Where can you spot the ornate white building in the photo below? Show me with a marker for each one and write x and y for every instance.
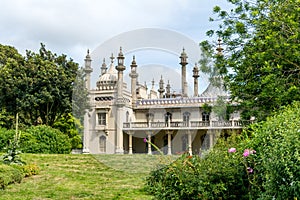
(120, 117)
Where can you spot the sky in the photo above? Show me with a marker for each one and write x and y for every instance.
(72, 26)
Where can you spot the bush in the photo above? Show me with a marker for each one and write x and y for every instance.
(5, 137)
(28, 169)
(9, 175)
(44, 139)
(219, 175)
(264, 164)
(278, 142)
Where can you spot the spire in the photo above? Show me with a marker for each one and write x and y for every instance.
(161, 89)
(183, 63)
(152, 84)
(87, 63)
(196, 76)
(219, 49)
(133, 75)
(196, 71)
(168, 88)
(183, 57)
(112, 58)
(103, 68)
(120, 66)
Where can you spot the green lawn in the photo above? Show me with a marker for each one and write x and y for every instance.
(85, 177)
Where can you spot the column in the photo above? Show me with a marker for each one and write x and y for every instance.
(190, 142)
(130, 133)
(169, 142)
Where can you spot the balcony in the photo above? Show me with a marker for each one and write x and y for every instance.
(179, 125)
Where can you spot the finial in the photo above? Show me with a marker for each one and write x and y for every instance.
(153, 84)
(88, 51)
(112, 58)
(219, 49)
(120, 53)
(103, 60)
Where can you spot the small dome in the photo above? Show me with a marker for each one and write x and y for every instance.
(108, 80)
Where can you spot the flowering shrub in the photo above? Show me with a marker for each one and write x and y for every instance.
(261, 163)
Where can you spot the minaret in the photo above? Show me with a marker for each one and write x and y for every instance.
(183, 63)
(196, 76)
(120, 103)
(161, 89)
(133, 75)
(88, 70)
(103, 68)
(219, 49)
(168, 89)
(86, 134)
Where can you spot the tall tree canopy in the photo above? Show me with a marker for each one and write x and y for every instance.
(38, 86)
(260, 62)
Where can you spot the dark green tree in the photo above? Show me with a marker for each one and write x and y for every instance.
(39, 86)
(260, 61)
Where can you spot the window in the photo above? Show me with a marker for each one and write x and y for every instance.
(184, 142)
(127, 116)
(149, 117)
(101, 118)
(205, 116)
(186, 118)
(102, 144)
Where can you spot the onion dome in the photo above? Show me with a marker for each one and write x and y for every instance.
(108, 80)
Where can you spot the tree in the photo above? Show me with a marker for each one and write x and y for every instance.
(38, 86)
(260, 63)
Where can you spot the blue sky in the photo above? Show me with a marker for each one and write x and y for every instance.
(73, 26)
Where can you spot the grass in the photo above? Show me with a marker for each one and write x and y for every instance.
(85, 177)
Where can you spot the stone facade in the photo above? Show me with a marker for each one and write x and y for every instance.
(119, 119)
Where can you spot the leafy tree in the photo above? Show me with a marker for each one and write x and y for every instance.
(38, 86)
(260, 62)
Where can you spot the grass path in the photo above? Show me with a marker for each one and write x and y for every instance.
(84, 177)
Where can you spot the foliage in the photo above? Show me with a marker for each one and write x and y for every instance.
(5, 137)
(261, 163)
(9, 175)
(12, 156)
(218, 175)
(278, 142)
(41, 89)
(28, 169)
(260, 62)
(70, 126)
(44, 139)
(80, 96)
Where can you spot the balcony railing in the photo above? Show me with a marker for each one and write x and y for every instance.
(182, 124)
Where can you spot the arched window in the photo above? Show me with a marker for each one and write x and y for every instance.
(102, 144)
(127, 116)
(205, 117)
(184, 142)
(186, 118)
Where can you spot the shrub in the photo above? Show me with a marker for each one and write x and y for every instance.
(28, 169)
(278, 142)
(44, 139)
(219, 175)
(5, 137)
(262, 163)
(8, 175)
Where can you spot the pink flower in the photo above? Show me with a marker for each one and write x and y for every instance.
(231, 150)
(145, 140)
(246, 152)
(250, 170)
